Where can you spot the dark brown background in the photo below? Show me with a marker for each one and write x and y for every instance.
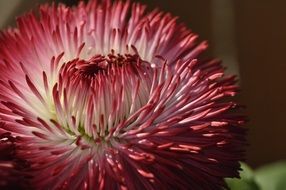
(260, 40)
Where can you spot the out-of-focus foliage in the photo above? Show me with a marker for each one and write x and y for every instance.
(246, 181)
(269, 177)
(272, 176)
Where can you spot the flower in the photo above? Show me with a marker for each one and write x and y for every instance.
(12, 175)
(107, 96)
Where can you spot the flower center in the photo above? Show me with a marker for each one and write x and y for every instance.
(96, 96)
(90, 69)
(99, 64)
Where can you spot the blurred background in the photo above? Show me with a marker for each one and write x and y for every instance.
(250, 38)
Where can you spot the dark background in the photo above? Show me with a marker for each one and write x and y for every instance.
(255, 31)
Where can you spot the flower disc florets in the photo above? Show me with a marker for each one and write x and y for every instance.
(107, 96)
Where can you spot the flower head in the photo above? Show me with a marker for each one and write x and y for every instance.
(12, 168)
(107, 96)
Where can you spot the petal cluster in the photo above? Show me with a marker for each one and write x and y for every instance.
(108, 96)
(12, 168)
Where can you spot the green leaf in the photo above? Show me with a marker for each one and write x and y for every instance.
(246, 182)
(247, 172)
(240, 184)
(272, 177)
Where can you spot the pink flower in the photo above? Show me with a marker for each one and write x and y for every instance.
(12, 169)
(107, 96)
